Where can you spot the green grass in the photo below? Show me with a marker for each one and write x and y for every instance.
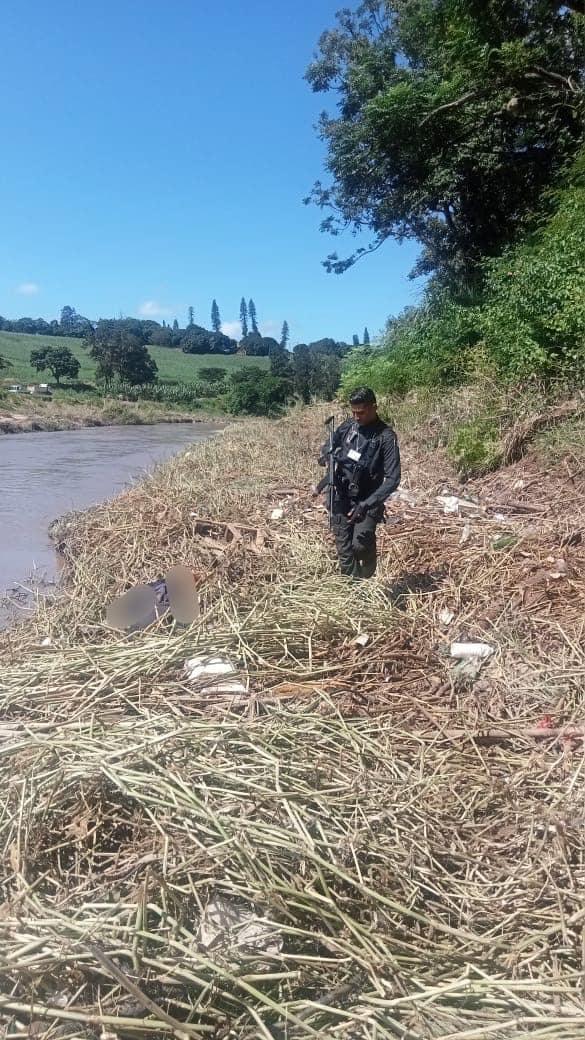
(173, 365)
(16, 347)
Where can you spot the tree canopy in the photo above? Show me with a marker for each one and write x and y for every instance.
(59, 361)
(453, 117)
(118, 350)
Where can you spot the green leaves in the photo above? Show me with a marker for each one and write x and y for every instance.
(59, 361)
(453, 117)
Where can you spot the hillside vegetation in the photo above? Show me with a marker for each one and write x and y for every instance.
(174, 366)
(465, 127)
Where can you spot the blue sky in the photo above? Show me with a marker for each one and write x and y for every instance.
(156, 153)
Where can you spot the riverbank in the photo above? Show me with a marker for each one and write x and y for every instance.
(405, 830)
(33, 415)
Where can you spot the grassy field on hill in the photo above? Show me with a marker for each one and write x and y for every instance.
(173, 365)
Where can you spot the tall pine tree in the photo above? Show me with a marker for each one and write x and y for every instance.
(215, 317)
(244, 317)
(366, 338)
(356, 340)
(284, 335)
(191, 314)
(175, 325)
(252, 316)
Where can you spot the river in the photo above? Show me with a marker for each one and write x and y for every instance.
(44, 475)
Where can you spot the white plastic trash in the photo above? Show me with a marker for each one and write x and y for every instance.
(224, 687)
(277, 514)
(233, 927)
(455, 505)
(466, 650)
(200, 667)
(362, 640)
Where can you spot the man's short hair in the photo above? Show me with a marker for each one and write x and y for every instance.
(363, 395)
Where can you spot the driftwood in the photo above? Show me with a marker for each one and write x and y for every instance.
(522, 432)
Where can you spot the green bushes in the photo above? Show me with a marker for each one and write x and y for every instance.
(533, 320)
(475, 447)
(255, 392)
(427, 346)
(529, 321)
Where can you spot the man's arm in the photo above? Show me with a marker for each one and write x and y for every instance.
(391, 456)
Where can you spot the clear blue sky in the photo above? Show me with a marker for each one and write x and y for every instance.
(155, 155)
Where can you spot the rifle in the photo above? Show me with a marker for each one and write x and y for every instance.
(329, 480)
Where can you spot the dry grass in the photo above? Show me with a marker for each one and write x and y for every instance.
(32, 414)
(394, 823)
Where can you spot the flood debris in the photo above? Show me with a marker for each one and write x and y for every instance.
(394, 833)
(452, 504)
(202, 667)
(464, 651)
(232, 927)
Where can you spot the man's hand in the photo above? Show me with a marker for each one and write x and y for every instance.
(358, 513)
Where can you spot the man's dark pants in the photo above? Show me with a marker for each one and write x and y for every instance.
(355, 543)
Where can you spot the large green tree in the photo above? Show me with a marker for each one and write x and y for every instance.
(284, 335)
(120, 352)
(452, 118)
(59, 361)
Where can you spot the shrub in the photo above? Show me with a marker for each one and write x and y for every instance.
(529, 321)
(253, 391)
(475, 447)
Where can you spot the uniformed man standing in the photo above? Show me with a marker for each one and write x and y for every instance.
(366, 471)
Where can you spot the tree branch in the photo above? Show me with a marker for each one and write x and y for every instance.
(450, 104)
(554, 78)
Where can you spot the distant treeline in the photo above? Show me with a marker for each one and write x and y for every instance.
(193, 339)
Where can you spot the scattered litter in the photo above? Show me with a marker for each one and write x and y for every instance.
(361, 640)
(199, 667)
(518, 484)
(446, 616)
(466, 650)
(232, 926)
(206, 667)
(468, 669)
(455, 505)
(224, 687)
(560, 569)
(465, 534)
(277, 514)
(47, 641)
(500, 518)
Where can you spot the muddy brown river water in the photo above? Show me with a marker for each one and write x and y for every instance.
(44, 475)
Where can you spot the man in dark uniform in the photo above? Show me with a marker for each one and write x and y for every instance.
(366, 471)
